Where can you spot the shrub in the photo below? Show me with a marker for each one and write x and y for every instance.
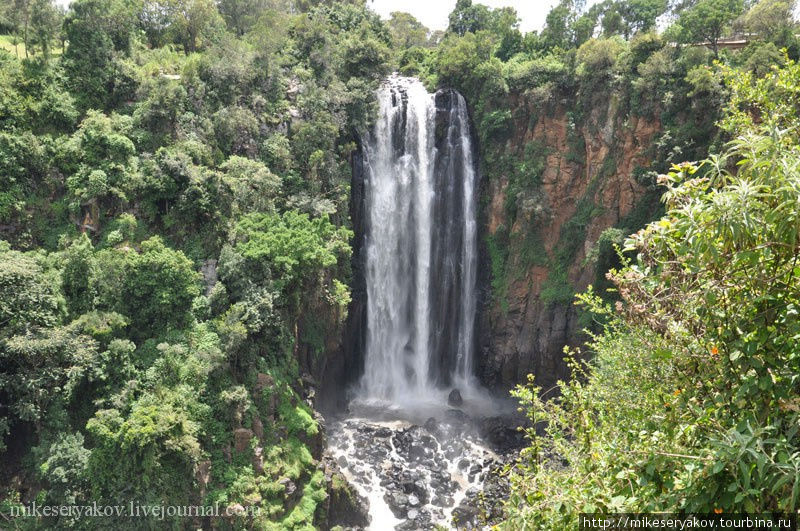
(596, 58)
(690, 402)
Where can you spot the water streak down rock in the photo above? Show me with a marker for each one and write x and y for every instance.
(420, 245)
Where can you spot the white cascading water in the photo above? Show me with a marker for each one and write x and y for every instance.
(463, 370)
(415, 455)
(398, 251)
(420, 268)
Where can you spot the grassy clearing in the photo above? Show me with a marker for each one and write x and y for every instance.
(7, 44)
(18, 50)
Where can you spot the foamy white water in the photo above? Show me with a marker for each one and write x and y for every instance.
(421, 245)
(413, 456)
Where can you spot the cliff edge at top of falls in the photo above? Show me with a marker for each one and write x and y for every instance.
(541, 221)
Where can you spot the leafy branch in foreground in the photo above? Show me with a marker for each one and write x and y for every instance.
(690, 402)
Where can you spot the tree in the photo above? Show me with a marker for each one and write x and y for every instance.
(242, 15)
(147, 445)
(293, 246)
(8, 17)
(23, 166)
(161, 103)
(255, 188)
(641, 15)
(41, 367)
(770, 20)
(504, 23)
(236, 130)
(363, 56)
(100, 161)
(584, 26)
(596, 58)
(158, 286)
(468, 64)
(628, 17)
(192, 20)
(468, 17)
(190, 23)
(29, 294)
(558, 27)
(16, 16)
(706, 21)
(77, 276)
(45, 23)
(148, 453)
(407, 31)
(65, 469)
(98, 31)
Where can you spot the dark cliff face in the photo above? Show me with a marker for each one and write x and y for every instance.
(344, 363)
(588, 184)
(447, 267)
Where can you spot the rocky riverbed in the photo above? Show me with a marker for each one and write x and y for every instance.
(439, 466)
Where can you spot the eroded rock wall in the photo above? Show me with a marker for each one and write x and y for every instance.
(587, 184)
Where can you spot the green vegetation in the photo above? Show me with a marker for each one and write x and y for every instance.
(170, 139)
(689, 403)
(175, 245)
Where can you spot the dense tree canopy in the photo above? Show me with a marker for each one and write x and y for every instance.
(172, 137)
(175, 242)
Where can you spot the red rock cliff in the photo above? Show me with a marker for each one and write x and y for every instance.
(588, 166)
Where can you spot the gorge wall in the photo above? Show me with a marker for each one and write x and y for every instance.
(541, 221)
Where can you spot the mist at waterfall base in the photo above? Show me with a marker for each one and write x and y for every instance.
(408, 443)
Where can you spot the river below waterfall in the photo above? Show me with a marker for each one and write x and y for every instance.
(422, 466)
(419, 436)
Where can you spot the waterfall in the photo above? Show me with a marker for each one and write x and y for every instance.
(420, 248)
(404, 444)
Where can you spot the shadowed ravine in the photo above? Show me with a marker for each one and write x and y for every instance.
(411, 441)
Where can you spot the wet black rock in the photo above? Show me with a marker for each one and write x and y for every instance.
(344, 506)
(415, 444)
(432, 425)
(483, 508)
(398, 503)
(442, 501)
(465, 516)
(420, 469)
(503, 433)
(417, 519)
(456, 416)
(417, 489)
(454, 398)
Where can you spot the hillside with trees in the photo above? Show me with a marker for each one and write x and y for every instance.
(176, 251)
